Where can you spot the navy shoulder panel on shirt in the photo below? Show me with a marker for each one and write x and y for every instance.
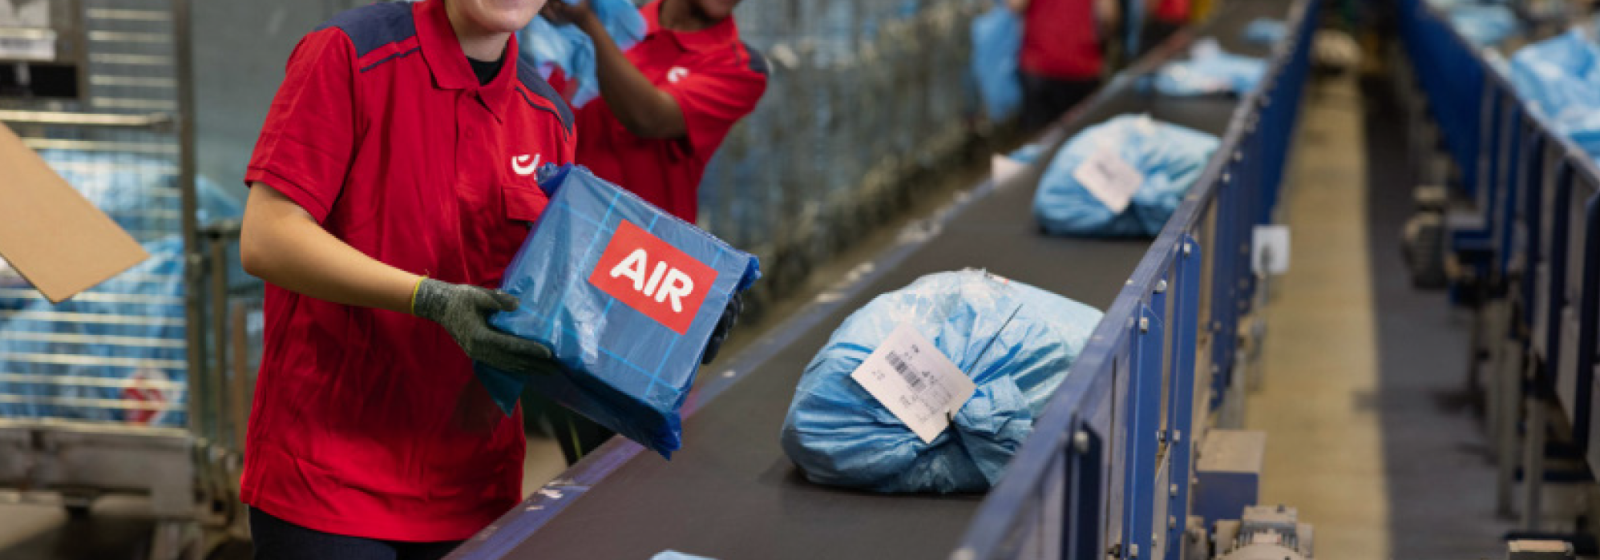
(528, 75)
(758, 62)
(370, 27)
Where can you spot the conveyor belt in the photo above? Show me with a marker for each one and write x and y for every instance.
(731, 493)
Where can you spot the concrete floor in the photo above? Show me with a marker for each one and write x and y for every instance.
(1369, 432)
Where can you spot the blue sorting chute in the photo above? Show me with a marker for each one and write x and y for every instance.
(626, 296)
(569, 48)
(1014, 341)
(996, 46)
(1169, 158)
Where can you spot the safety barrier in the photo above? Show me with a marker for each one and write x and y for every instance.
(1108, 469)
(1530, 243)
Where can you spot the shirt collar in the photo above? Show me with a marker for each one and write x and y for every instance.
(718, 35)
(448, 63)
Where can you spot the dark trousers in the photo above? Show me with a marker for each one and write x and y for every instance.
(1045, 99)
(276, 539)
(1155, 31)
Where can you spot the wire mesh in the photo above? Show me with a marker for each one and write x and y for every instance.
(118, 352)
(862, 95)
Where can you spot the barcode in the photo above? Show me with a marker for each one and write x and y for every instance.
(900, 365)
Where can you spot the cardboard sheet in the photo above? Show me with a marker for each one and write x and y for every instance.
(52, 235)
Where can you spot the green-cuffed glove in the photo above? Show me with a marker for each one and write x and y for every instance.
(464, 311)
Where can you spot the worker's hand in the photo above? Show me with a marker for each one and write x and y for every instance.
(464, 311)
(730, 317)
(560, 12)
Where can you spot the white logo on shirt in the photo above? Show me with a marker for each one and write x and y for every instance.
(677, 73)
(525, 164)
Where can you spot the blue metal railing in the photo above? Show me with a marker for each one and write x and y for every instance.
(1106, 483)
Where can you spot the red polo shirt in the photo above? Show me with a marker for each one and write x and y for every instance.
(1059, 40)
(1173, 11)
(370, 423)
(716, 81)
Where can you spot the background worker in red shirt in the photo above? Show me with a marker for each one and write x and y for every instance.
(392, 183)
(665, 106)
(1166, 17)
(1063, 54)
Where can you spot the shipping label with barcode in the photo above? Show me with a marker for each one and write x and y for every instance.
(915, 381)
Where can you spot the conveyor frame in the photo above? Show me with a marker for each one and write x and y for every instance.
(1137, 397)
(1539, 223)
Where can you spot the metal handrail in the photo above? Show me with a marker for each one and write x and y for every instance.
(149, 120)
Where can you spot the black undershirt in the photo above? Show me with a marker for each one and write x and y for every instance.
(486, 71)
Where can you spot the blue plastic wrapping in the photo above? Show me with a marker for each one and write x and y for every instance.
(1560, 78)
(1484, 24)
(1265, 31)
(996, 45)
(1210, 71)
(572, 50)
(1015, 341)
(1169, 156)
(594, 278)
(119, 342)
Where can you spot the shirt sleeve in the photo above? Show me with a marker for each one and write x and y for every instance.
(712, 100)
(309, 136)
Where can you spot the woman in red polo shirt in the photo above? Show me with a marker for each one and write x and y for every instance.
(665, 106)
(1062, 54)
(390, 187)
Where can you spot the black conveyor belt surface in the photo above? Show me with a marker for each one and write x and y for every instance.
(731, 493)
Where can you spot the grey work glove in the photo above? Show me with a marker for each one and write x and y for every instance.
(730, 317)
(464, 311)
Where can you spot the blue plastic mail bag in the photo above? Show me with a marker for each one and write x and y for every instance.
(626, 297)
(1159, 162)
(1210, 71)
(996, 46)
(152, 372)
(569, 48)
(1560, 78)
(1014, 341)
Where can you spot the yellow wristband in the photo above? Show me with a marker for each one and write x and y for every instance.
(414, 290)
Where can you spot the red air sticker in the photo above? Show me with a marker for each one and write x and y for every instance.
(652, 277)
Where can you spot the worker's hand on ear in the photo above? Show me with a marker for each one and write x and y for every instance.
(559, 12)
(730, 317)
(464, 311)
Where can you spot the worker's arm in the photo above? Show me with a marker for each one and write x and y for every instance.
(1018, 6)
(641, 107)
(1109, 14)
(281, 243)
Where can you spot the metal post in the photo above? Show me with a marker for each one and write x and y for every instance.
(1508, 401)
(194, 261)
(1533, 461)
(1181, 418)
(1144, 418)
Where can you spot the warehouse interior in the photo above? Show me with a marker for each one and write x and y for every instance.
(1281, 279)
